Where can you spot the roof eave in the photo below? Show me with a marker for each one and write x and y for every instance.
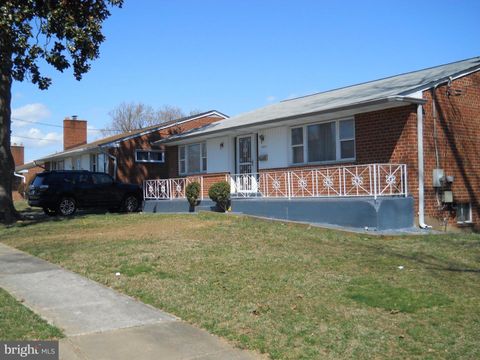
(386, 100)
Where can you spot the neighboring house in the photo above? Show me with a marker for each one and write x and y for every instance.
(18, 153)
(411, 136)
(129, 157)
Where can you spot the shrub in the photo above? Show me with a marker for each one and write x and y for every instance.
(192, 192)
(220, 193)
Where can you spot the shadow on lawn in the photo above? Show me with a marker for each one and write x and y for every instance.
(429, 261)
(31, 216)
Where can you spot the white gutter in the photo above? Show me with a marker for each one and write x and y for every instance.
(20, 176)
(421, 178)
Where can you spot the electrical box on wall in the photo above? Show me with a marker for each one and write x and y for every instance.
(447, 197)
(438, 177)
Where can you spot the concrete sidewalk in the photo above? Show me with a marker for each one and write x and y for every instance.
(99, 322)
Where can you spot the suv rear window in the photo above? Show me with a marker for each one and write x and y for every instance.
(39, 180)
(52, 178)
(56, 178)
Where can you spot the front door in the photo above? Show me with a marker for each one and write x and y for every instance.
(246, 159)
(246, 179)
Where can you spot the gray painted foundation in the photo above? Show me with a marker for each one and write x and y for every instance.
(176, 206)
(386, 213)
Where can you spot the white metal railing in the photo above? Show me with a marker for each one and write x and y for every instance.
(345, 181)
(169, 188)
(356, 180)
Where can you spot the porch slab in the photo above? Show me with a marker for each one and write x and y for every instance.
(385, 213)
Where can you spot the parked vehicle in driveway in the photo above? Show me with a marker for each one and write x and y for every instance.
(63, 192)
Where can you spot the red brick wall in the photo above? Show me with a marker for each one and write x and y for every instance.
(390, 136)
(172, 160)
(130, 171)
(458, 129)
(209, 180)
(74, 133)
(18, 153)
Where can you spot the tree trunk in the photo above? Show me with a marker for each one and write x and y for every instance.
(8, 214)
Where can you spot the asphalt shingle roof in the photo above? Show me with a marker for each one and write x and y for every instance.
(403, 85)
(115, 138)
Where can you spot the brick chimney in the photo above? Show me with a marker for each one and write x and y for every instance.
(74, 132)
(18, 153)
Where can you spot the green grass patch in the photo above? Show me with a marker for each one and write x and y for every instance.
(290, 291)
(19, 323)
(392, 298)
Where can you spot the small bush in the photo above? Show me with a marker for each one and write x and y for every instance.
(220, 193)
(192, 192)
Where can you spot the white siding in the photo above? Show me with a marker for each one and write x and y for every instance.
(220, 158)
(85, 162)
(68, 164)
(274, 146)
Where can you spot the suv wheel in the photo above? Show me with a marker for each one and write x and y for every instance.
(67, 206)
(131, 203)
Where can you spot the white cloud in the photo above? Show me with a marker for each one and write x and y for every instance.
(30, 113)
(271, 98)
(36, 138)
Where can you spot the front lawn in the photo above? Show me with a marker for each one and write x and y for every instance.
(19, 323)
(292, 291)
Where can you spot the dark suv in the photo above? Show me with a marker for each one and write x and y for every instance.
(62, 192)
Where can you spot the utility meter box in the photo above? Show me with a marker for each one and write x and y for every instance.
(447, 197)
(438, 177)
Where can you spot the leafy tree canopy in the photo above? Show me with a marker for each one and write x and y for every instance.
(62, 33)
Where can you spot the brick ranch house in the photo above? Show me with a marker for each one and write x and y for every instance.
(128, 157)
(385, 154)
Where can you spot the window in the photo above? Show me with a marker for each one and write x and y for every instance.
(464, 213)
(77, 164)
(83, 179)
(297, 145)
(347, 139)
(323, 142)
(192, 158)
(102, 179)
(93, 162)
(155, 156)
(182, 163)
(57, 165)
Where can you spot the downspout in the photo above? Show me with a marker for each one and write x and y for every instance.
(114, 158)
(421, 179)
(20, 176)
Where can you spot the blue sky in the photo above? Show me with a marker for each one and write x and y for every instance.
(235, 56)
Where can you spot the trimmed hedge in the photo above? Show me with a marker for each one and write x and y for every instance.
(220, 193)
(192, 192)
